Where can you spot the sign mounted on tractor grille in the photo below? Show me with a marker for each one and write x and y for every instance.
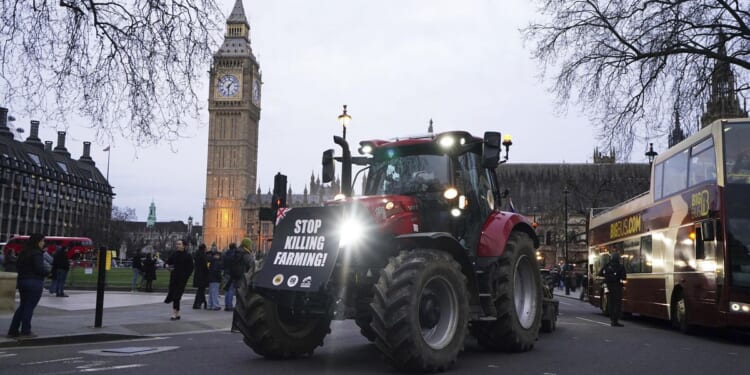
(304, 249)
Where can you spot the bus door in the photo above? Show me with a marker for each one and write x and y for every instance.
(708, 260)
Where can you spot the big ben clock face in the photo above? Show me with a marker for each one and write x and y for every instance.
(228, 85)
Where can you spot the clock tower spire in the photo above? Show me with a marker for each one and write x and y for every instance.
(234, 116)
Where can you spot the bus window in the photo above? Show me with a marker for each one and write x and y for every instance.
(702, 162)
(675, 173)
(657, 180)
(631, 257)
(737, 153)
(646, 255)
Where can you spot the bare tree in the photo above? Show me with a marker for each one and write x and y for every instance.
(123, 214)
(631, 63)
(129, 67)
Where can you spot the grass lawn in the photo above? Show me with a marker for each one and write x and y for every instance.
(116, 278)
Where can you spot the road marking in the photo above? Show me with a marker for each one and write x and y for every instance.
(6, 355)
(593, 321)
(50, 361)
(111, 368)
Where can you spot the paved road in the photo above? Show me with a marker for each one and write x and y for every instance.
(201, 343)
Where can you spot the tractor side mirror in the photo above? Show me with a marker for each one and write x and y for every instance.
(491, 149)
(329, 170)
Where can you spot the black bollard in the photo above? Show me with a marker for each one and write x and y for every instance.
(101, 277)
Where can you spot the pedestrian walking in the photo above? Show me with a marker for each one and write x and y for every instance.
(214, 279)
(60, 266)
(137, 270)
(200, 277)
(614, 274)
(181, 266)
(243, 260)
(227, 258)
(30, 284)
(149, 272)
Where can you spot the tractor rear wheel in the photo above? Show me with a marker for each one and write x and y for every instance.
(517, 297)
(420, 310)
(275, 331)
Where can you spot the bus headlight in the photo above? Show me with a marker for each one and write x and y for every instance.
(739, 307)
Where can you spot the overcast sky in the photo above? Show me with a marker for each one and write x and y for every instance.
(396, 64)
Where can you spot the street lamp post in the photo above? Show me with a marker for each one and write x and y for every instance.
(190, 232)
(344, 120)
(565, 246)
(651, 154)
(108, 153)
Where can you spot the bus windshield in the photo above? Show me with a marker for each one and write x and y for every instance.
(408, 175)
(737, 167)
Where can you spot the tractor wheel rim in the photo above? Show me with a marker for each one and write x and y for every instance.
(525, 292)
(438, 312)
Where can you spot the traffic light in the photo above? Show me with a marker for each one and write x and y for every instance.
(279, 192)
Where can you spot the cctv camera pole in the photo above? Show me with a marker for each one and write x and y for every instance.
(102, 260)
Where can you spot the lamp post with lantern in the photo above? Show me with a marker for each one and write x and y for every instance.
(344, 119)
(651, 154)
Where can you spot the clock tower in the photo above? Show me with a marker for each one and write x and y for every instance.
(234, 114)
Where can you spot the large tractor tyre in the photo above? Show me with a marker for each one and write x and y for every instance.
(420, 310)
(274, 331)
(517, 297)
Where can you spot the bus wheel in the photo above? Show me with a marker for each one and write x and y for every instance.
(679, 314)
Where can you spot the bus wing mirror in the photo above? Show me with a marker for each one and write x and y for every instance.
(329, 170)
(707, 230)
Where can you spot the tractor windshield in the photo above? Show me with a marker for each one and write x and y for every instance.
(408, 175)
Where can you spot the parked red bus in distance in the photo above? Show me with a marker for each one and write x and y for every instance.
(79, 248)
(685, 243)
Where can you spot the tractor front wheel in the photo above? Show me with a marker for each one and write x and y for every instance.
(420, 310)
(275, 331)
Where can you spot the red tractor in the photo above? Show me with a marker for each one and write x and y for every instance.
(423, 257)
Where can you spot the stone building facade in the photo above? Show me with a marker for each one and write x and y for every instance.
(45, 190)
(539, 192)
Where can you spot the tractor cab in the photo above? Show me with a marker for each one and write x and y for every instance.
(447, 180)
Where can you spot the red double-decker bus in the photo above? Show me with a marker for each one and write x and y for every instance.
(79, 248)
(686, 242)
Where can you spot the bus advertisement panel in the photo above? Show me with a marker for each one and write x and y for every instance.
(685, 243)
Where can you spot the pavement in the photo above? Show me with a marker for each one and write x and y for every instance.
(125, 315)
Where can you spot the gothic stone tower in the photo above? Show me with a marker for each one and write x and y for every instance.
(722, 101)
(234, 113)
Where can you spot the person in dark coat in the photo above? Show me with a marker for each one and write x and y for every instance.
(614, 273)
(30, 283)
(181, 266)
(148, 267)
(137, 270)
(214, 279)
(200, 278)
(60, 267)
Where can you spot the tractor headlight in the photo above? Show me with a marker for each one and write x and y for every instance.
(450, 193)
(352, 232)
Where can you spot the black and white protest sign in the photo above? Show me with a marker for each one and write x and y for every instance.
(304, 250)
